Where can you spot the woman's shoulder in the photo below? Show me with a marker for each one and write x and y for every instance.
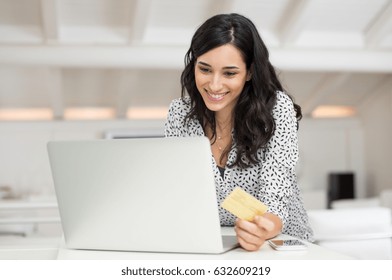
(177, 119)
(284, 103)
(180, 106)
(282, 98)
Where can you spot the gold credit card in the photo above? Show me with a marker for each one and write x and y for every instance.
(243, 205)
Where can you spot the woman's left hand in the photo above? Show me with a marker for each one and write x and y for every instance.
(252, 235)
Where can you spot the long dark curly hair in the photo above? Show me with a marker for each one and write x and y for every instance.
(254, 124)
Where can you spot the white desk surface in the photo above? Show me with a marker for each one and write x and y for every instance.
(266, 252)
(28, 248)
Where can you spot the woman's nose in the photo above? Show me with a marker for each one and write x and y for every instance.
(216, 83)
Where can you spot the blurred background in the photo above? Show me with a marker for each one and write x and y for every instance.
(92, 69)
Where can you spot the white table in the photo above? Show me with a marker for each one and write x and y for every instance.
(265, 253)
(12, 248)
(36, 247)
(16, 247)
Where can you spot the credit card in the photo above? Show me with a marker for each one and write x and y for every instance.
(243, 205)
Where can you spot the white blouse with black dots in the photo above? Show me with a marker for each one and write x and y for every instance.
(273, 180)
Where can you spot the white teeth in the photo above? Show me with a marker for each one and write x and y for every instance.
(217, 96)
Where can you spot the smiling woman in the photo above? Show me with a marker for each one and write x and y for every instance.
(219, 80)
(231, 94)
(220, 76)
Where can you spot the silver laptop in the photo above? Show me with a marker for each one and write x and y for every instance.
(150, 194)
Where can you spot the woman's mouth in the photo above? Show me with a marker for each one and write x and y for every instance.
(216, 96)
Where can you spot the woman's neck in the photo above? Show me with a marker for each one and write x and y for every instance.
(223, 122)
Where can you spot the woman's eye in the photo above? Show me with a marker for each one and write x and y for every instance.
(230, 74)
(204, 70)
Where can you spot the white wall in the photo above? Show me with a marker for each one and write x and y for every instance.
(334, 145)
(377, 122)
(24, 162)
(325, 146)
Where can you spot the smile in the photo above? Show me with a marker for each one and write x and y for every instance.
(216, 97)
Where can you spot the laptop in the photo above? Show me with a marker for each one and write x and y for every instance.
(144, 194)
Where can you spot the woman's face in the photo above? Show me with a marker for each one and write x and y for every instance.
(220, 76)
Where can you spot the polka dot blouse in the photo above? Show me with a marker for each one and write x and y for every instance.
(272, 181)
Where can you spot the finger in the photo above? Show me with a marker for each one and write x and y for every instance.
(250, 240)
(248, 237)
(249, 227)
(248, 246)
(264, 223)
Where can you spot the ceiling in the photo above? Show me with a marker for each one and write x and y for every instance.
(127, 55)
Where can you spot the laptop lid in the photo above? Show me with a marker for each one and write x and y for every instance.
(152, 194)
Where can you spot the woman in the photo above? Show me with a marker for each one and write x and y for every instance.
(237, 101)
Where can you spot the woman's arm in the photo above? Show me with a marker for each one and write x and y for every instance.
(276, 179)
(277, 175)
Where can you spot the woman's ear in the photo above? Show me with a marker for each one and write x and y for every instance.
(249, 74)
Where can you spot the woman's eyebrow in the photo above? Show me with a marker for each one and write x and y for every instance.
(203, 63)
(226, 67)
